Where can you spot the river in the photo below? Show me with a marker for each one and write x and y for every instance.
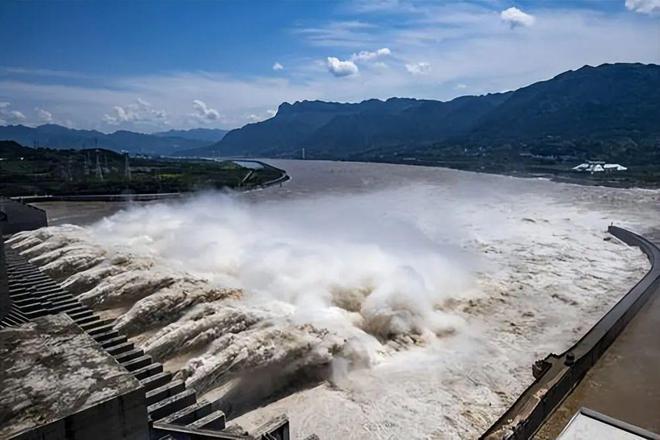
(366, 301)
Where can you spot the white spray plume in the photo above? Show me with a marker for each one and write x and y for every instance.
(379, 274)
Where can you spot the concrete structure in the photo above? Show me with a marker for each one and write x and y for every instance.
(599, 167)
(170, 410)
(58, 384)
(587, 424)
(624, 383)
(5, 302)
(17, 216)
(557, 375)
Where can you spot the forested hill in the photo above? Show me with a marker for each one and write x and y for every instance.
(611, 111)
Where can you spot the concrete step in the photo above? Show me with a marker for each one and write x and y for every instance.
(66, 308)
(20, 296)
(120, 348)
(25, 299)
(28, 304)
(85, 319)
(27, 279)
(36, 313)
(172, 404)
(58, 297)
(51, 290)
(164, 391)
(9, 322)
(155, 381)
(100, 329)
(87, 326)
(189, 414)
(79, 308)
(113, 341)
(215, 421)
(15, 311)
(148, 371)
(137, 363)
(105, 336)
(81, 314)
(131, 354)
(63, 302)
(28, 285)
(17, 316)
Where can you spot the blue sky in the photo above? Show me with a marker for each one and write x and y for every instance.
(151, 66)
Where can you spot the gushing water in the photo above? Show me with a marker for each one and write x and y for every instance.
(414, 310)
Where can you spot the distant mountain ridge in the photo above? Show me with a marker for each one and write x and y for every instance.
(199, 134)
(56, 136)
(612, 106)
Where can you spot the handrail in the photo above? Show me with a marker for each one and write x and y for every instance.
(557, 375)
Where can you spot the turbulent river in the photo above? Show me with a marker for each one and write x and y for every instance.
(366, 301)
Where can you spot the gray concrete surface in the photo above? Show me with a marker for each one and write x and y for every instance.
(57, 383)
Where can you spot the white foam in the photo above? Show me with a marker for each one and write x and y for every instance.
(429, 301)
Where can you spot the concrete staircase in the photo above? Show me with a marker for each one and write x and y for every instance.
(174, 411)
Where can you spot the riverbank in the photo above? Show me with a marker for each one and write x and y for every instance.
(147, 197)
(39, 174)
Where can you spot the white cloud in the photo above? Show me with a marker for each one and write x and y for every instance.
(8, 116)
(118, 116)
(461, 86)
(341, 68)
(644, 6)
(278, 66)
(44, 115)
(205, 113)
(16, 116)
(366, 55)
(515, 17)
(462, 44)
(140, 111)
(420, 68)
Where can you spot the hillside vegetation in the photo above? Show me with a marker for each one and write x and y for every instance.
(29, 171)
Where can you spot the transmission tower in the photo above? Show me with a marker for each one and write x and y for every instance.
(99, 172)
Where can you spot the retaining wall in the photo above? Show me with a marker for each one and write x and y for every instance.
(557, 375)
(5, 301)
(20, 217)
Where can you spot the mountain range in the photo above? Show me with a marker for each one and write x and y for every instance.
(165, 143)
(608, 112)
(611, 110)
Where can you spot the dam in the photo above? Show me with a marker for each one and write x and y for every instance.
(40, 258)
